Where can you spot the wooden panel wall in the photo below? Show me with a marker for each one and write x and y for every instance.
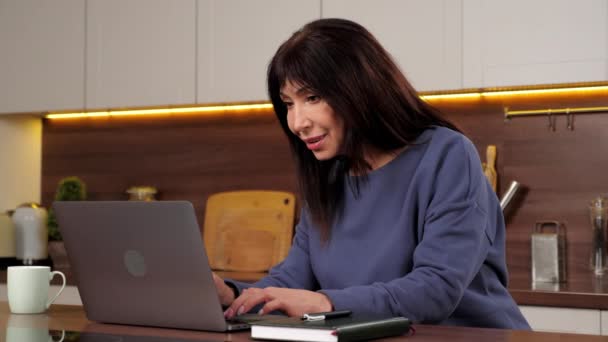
(192, 157)
(560, 171)
(184, 157)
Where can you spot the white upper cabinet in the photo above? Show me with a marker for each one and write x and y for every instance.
(41, 55)
(140, 53)
(423, 36)
(237, 39)
(519, 42)
(95, 54)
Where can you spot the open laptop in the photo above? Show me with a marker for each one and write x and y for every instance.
(141, 263)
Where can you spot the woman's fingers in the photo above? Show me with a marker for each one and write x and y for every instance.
(296, 302)
(273, 305)
(291, 301)
(224, 291)
(245, 302)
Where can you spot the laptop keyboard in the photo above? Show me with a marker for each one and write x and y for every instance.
(251, 318)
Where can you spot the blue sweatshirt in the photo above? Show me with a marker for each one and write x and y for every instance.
(425, 239)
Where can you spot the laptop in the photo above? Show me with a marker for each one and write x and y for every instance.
(142, 263)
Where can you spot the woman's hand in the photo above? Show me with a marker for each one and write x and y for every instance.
(292, 302)
(224, 291)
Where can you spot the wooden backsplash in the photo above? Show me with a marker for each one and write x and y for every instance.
(190, 157)
(185, 158)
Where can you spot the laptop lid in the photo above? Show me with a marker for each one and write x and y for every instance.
(140, 263)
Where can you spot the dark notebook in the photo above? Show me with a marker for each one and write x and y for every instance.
(337, 329)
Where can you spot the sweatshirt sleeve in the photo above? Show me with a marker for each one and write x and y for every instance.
(293, 272)
(453, 243)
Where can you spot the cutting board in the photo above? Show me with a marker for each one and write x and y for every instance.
(489, 167)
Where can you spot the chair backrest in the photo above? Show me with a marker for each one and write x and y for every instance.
(248, 231)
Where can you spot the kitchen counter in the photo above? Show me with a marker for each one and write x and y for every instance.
(72, 318)
(590, 293)
(241, 276)
(583, 293)
(56, 280)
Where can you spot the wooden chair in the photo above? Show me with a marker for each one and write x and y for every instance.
(248, 231)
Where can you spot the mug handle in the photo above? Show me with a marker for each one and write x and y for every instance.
(51, 275)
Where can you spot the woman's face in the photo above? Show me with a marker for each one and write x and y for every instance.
(311, 119)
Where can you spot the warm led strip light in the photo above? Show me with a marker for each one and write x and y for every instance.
(491, 93)
(160, 111)
(206, 109)
(451, 96)
(543, 91)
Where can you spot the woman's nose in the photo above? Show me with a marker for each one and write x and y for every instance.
(300, 118)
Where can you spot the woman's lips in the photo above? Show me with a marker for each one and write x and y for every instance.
(315, 143)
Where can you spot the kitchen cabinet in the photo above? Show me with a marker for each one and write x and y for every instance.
(140, 53)
(604, 322)
(236, 40)
(74, 54)
(42, 59)
(521, 42)
(565, 320)
(423, 36)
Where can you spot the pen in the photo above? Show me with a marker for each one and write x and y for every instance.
(319, 316)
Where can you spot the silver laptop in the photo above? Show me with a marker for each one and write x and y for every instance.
(141, 263)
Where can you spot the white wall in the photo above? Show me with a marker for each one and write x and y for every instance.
(20, 160)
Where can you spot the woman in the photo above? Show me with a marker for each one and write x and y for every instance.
(398, 218)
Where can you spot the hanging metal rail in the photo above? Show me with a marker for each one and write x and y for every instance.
(551, 113)
(558, 111)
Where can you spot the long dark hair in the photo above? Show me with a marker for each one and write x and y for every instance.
(342, 62)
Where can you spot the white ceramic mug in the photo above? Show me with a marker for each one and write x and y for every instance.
(28, 288)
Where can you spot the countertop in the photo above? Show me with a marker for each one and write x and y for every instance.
(242, 276)
(584, 293)
(589, 293)
(72, 318)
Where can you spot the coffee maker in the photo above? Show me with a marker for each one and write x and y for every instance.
(31, 233)
(7, 241)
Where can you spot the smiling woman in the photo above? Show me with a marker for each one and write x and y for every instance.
(398, 219)
(311, 119)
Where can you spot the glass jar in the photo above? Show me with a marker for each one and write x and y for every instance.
(142, 193)
(598, 215)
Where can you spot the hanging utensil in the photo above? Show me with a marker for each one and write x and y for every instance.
(490, 166)
(506, 198)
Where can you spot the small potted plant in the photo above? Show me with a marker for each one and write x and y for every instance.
(68, 189)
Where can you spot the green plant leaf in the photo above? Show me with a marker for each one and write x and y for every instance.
(68, 189)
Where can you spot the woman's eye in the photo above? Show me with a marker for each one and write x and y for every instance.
(288, 104)
(313, 98)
